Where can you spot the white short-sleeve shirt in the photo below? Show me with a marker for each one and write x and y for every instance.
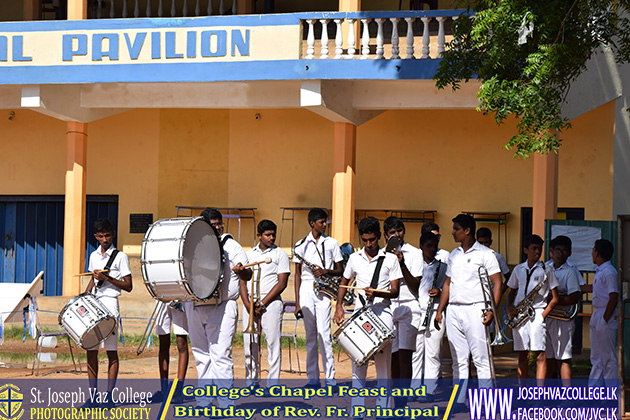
(518, 280)
(463, 269)
(362, 268)
(118, 270)
(234, 254)
(502, 263)
(324, 253)
(413, 261)
(268, 272)
(428, 278)
(442, 255)
(604, 283)
(568, 278)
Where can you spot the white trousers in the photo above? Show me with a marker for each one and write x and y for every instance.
(467, 336)
(603, 347)
(316, 310)
(426, 361)
(211, 330)
(271, 325)
(382, 362)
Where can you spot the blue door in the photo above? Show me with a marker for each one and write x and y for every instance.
(31, 236)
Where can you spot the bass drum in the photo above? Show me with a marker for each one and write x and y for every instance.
(181, 259)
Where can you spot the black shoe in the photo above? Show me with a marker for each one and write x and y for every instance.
(87, 405)
(109, 404)
(459, 408)
(314, 385)
(178, 398)
(158, 396)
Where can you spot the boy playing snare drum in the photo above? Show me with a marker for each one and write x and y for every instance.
(106, 286)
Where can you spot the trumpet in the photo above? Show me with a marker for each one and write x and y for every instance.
(488, 297)
(147, 332)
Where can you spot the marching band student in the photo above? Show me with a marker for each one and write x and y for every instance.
(432, 227)
(603, 325)
(465, 323)
(378, 275)
(106, 285)
(212, 326)
(321, 252)
(268, 308)
(426, 359)
(171, 318)
(484, 237)
(531, 334)
(559, 332)
(405, 308)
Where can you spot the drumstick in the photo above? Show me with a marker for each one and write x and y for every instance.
(91, 272)
(266, 261)
(361, 288)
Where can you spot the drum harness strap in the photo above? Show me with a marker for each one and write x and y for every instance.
(107, 267)
(377, 272)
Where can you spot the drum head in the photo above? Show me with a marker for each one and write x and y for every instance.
(98, 333)
(203, 264)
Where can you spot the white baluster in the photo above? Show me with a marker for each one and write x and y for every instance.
(209, 8)
(441, 37)
(310, 39)
(410, 51)
(136, 9)
(365, 40)
(173, 9)
(426, 50)
(351, 40)
(198, 8)
(124, 10)
(185, 8)
(379, 38)
(395, 46)
(338, 40)
(111, 9)
(160, 9)
(99, 8)
(222, 8)
(234, 7)
(148, 11)
(324, 41)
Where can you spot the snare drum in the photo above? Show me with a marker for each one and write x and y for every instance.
(362, 335)
(87, 320)
(181, 259)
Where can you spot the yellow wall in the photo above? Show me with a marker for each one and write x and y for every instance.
(447, 161)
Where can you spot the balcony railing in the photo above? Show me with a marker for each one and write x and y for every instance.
(99, 9)
(381, 35)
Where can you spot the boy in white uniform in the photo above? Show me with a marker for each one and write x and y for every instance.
(362, 265)
(322, 252)
(212, 326)
(484, 237)
(269, 307)
(171, 317)
(531, 334)
(405, 308)
(560, 333)
(432, 227)
(426, 359)
(605, 289)
(465, 318)
(107, 286)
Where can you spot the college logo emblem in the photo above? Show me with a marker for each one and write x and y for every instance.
(81, 310)
(11, 402)
(368, 327)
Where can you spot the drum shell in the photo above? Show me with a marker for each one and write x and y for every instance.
(360, 344)
(181, 259)
(87, 320)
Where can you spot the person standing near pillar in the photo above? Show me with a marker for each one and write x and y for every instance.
(106, 286)
(323, 254)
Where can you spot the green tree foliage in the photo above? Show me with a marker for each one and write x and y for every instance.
(531, 81)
